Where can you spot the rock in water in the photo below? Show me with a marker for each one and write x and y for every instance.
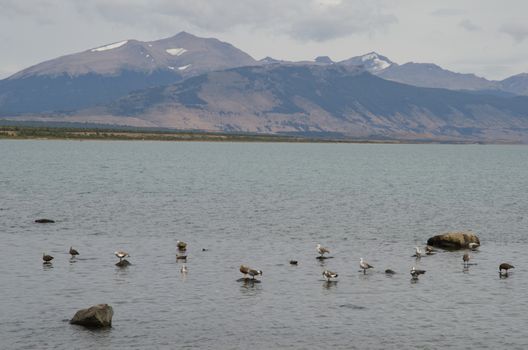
(44, 221)
(97, 316)
(454, 240)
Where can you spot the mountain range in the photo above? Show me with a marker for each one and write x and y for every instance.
(192, 83)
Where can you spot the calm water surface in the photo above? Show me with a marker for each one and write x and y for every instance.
(262, 205)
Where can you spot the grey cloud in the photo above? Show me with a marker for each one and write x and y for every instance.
(518, 31)
(448, 12)
(468, 25)
(316, 20)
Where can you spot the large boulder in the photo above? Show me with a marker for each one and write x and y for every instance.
(97, 316)
(454, 240)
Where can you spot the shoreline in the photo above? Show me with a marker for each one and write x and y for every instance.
(95, 134)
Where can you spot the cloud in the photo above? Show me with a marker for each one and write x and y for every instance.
(518, 31)
(448, 12)
(310, 20)
(468, 25)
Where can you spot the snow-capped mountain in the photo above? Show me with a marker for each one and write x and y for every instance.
(183, 53)
(101, 74)
(372, 62)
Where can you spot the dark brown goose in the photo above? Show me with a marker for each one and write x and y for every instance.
(47, 258)
(505, 266)
(466, 258)
(73, 252)
(181, 245)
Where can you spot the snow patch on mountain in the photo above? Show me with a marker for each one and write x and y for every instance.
(176, 51)
(184, 67)
(376, 62)
(109, 47)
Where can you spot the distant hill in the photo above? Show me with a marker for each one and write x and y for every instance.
(315, 99)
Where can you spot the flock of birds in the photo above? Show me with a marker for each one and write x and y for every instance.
(327, 274)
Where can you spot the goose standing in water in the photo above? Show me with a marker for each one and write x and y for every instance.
(181, 245)
(466, 258)
(505, 267)
(244, 270)
(328, 275)
(121, 255)
(364, 265)
(322, 250)
(253, 273)
(415, 273)
(47, 258)
(73, 252)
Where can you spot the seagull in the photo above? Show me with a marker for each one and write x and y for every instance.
(73, 252)
(245, 270)
(364, 265)
(419, 252)
(183, 269)
(329, 275)
(322, 250)
(473, 246)
(47, 258)
(254, 273)
(503, 266)
(415, 273)
(429, 250)
(466, 258)
(181, 245)
(121, 255)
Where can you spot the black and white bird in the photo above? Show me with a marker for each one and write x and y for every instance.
(415, 273)
(328, 275)
(322, 250)
(473, 246)
(505, 267)
(419, 252)
(253, 273)
(47, 258)
(73, 252)
(121, 255)
(364, 265)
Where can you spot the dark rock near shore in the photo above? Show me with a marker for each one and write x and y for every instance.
(454, 240)
(97, 316)
(44, 221)
(389, 272)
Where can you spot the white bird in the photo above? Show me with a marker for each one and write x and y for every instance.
(364, 265)
(415, 273)
(121, 254)
(419, 252)
(329, 275)
(322, 250)
(183, 269)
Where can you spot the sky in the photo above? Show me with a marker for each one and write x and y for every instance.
(485, 37)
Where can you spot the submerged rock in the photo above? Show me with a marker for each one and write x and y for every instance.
(44, 221)
(454, 240)
(389, 272)
(97, 316)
